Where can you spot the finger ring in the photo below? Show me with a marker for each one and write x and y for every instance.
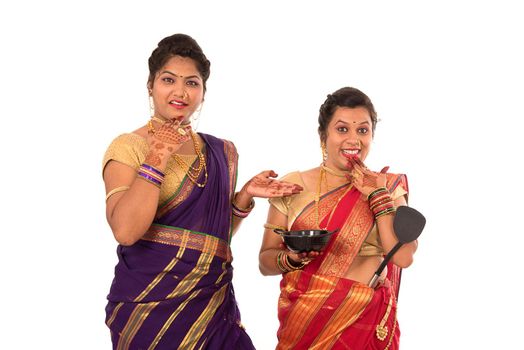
(182, 131)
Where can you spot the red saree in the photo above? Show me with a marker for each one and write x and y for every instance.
(319, 308)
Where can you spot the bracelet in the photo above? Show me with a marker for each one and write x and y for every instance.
(149, 179)
(274, 227)
(242, 212)
(151, 174)
(116, 190)
(381, 203)
(285, 265)
(153, 169)
(377, 191)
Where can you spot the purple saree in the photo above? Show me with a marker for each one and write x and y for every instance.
(172, 289)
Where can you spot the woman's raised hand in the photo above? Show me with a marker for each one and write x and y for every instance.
(166, 140)
(264, 185)
(365, 180)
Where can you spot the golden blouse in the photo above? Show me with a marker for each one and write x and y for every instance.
(292, 206)
(131, 149)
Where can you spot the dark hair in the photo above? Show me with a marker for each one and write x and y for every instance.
(344, 97)
(178, 45)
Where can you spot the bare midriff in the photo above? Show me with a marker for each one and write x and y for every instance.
(363, 268)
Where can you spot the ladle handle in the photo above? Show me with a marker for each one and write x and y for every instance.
(374, 279)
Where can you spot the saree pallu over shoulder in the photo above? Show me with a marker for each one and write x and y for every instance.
(318, 307)
(186, 206)
(172, 289)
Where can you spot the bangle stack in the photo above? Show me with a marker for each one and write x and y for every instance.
(284, 263)
(242, 212)
(151, 174)
(380, 202)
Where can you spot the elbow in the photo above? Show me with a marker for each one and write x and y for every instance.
(403, 261)
(124, 237)
(266, 273)
(263, 270)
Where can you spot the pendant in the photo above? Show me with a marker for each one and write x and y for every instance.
(382, 332)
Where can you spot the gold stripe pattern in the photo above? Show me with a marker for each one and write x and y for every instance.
(232, 162)
(171, 318)
(353, 305)
(348, 241)
(134, 323)
(305, 308)
(113, 315)
(198, 328)
(192, 240)
(164, 272)
(157, 280)
(186, 285)
(192, 278)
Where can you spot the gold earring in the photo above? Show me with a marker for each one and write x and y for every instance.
(324, 151)
(196, 113)
(151, 106)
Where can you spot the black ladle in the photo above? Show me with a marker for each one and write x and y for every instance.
(408, 225)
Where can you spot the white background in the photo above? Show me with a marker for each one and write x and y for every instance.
(446, 79)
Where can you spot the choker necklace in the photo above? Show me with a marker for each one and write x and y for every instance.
(151, 128)
(332, 172)
(161, 120)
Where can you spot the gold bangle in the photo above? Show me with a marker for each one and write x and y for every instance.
(116, 190)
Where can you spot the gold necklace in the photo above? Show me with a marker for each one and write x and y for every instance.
(194, 173)
(317, 198)
(332, 172)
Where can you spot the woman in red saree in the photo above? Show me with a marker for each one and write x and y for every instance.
(172, 207)
(325, 301)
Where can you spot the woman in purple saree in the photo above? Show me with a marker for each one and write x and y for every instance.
(172, 206)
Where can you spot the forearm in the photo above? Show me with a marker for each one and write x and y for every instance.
(134, 212)
(243, 201)
(268, 262)
(130, 213)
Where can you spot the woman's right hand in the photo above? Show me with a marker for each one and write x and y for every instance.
(301, 257)
(166, 140)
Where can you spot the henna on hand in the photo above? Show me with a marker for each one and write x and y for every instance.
(171, 132)
(263, 186)
(153, 159)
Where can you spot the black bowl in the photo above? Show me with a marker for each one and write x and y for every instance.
(305, 240)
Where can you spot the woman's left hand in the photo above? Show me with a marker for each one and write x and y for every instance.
(264, 185)
(365, 180)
